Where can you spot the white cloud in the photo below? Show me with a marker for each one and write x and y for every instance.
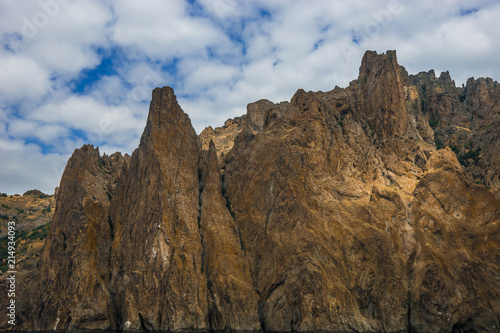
(161, 29)
(109, 89)
(65, 43)
(219, 58)
(209, 75)
(46, 133)
(464, 45)
(100, 122)
(24, 167)
(21, 77)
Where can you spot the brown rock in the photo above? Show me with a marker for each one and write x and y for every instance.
(381, 96)
(257, 113)
(233, 301)
(305, 230)
(33, 192)
(467, 120)
(333, 212)
(224, 136)
(326, 210)
(156, 254)
(74, 273)
(454, 278)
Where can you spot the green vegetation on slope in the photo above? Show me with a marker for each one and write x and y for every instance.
(23, 241)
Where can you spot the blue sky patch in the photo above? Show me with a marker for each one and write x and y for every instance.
(88, 77)
(44, 148)
(465, 12)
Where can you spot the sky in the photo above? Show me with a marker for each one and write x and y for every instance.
(77, 72)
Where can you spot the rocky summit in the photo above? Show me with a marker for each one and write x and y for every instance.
(370, 208)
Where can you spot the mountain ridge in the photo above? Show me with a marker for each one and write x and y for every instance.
(337, 211)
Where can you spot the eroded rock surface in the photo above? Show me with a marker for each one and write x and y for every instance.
(156, 262)
(74, 270)
(224, 136)
(233, 300)
(337, 211)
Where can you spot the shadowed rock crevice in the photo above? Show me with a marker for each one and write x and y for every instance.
(232, 298)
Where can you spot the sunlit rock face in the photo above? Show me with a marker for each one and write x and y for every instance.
(337, 211)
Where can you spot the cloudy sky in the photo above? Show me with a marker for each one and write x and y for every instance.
(76, 72)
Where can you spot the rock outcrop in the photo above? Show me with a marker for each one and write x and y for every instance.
(156, 260)
(233, 301)
(74, 266)
(454, 281)
(337, 211)
(466, 119)
(34, 192)
(223, 137)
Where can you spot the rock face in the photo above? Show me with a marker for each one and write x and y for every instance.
(156, 264)
(223, 137)
(466, 119)
(336, 211)
(381, 94)
(233, 301)
(454, 279)
(74, 266)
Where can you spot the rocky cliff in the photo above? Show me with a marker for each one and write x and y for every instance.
(369, 208)
(156, 264)
(74, 273)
